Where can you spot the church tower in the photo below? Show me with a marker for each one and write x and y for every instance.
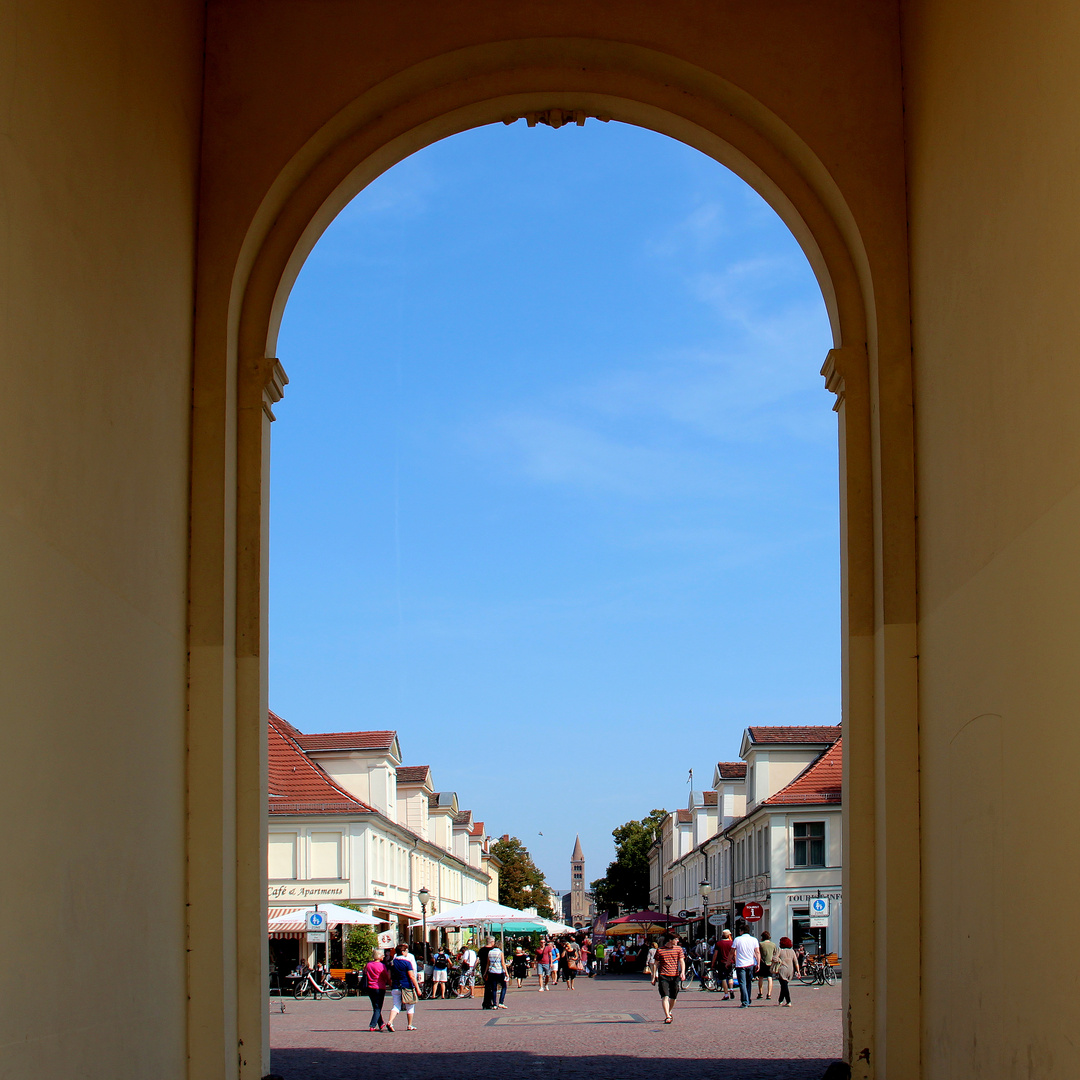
(579, 901)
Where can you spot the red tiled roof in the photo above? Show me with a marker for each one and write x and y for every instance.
(297, 784)
(477, 829)
(463, 817)
(732, 770)
(820, 782)
(682, 815)
(710, 798)
(413, 774)
(347, 740)
(781, 734)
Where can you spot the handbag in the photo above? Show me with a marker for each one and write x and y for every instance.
(408, 996)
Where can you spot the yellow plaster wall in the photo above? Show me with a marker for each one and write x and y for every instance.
(993, 110)
(99, 108)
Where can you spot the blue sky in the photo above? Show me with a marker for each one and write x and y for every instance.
(554, 482)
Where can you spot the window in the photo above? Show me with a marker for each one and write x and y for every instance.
(282, 856)
(809, 843)
(325, 855)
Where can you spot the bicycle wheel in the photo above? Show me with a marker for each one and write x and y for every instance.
(829, 973)
(809, 975)
(688, 978)
(303, 989)
(709, 979)
(335, 993)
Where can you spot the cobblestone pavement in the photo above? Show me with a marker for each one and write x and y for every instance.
(605, 1029)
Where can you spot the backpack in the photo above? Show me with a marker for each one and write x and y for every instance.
(440, 961)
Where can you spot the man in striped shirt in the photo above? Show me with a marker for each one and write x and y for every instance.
(669, 969)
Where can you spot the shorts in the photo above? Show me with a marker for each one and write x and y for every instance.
(668, 986)
(543, 969)
(438, 975)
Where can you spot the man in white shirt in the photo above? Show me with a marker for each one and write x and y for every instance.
(468, 971)
(747, 959)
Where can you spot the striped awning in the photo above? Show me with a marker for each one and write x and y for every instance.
(289, 930)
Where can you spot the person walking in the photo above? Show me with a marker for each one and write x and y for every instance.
(543, 963)
(789, 968)
(440, 972)
(599, 952)
(493, 969)
(747, 961)
(520, 965)
(764, 973)
(377, 977)
(573, 963)
(650, 959)
(669, 969)
(404, 987)
(556, 955)
(724, 964)
(467, 960)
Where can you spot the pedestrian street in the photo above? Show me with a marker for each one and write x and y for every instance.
(605, 1029)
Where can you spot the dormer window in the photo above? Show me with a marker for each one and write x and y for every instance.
(809, 843)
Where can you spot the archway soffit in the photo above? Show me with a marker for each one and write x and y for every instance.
(489, 84)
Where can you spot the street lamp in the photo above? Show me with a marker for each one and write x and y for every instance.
(705, 888)
(667, 905)
(424, 896)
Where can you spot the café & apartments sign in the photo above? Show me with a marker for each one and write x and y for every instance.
(287, 891)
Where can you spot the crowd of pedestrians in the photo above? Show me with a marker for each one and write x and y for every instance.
(739, 961)
(742, 960)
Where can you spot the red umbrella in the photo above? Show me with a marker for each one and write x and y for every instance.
(654, 918)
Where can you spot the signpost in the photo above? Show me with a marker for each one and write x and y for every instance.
(316, 926)
(752, 912)
(718, 920)
(820, 907)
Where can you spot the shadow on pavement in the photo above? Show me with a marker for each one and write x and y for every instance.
(317, 1064)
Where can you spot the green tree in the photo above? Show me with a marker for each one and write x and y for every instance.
(626, 883)
(521, 882)
(360, 943)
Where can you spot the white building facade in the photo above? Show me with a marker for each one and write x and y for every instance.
(348, 823)
(769, 833)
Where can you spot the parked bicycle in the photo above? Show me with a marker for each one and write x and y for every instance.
(699, 971)
(817, 971)
(308, 987)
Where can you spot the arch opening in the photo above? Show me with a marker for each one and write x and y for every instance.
(487, 85)
(781, 918)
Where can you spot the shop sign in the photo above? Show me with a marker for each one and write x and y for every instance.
(283, 893)
(805, 898)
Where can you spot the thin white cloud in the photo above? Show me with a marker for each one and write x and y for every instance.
(552, 450)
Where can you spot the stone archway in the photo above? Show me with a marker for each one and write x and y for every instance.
(237, 378)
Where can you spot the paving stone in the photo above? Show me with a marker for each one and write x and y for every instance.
(605, 1029)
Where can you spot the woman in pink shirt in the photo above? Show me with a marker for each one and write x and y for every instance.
(378, 982)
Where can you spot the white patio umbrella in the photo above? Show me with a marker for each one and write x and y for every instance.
(558, 927)
(335, 914)
(479, 913)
